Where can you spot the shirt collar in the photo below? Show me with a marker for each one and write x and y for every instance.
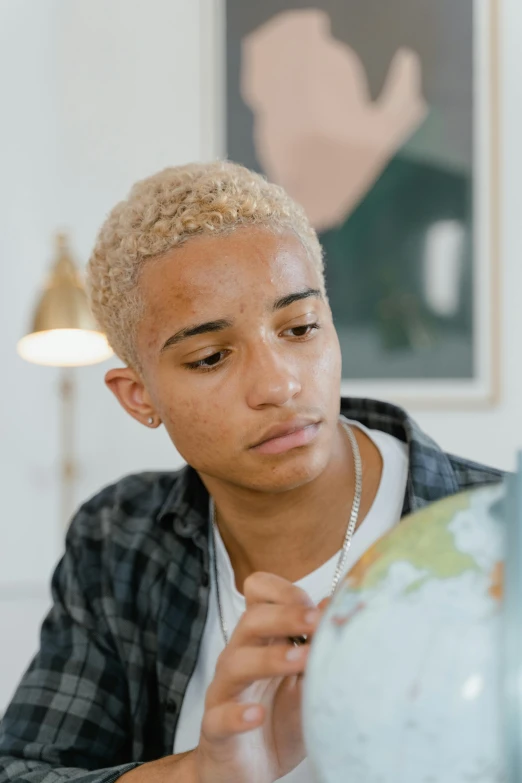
(187, 502)
(430, 473)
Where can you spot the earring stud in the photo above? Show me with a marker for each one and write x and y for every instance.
(150, 421)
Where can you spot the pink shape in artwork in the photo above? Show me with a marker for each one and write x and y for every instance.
(317, 131)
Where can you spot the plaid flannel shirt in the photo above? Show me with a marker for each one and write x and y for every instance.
(130, 599)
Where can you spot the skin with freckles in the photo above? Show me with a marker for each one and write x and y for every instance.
(241, 362)
(237, 343)
(218, 393)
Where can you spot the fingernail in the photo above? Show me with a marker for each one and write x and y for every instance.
(294, 653)
(312, 616)
(251, 714)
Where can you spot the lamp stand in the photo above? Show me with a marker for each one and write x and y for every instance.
(68, 467)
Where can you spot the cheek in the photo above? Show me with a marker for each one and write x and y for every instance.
(197, 427)
(326, 368)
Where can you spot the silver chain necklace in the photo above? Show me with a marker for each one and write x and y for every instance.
(352, 523)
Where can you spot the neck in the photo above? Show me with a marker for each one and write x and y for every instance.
(293, 533)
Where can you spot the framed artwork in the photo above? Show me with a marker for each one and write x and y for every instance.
(381, 119)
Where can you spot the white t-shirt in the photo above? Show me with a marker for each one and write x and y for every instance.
(384, 513)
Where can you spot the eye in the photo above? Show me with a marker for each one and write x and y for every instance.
(303, 330)
(209, 362)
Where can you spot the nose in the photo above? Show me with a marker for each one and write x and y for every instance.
(271, 380)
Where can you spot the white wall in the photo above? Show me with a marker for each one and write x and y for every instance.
(95, 94)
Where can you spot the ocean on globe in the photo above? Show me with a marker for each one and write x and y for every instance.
(403, 681)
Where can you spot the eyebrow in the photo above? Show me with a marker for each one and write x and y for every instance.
(306, 293)
(224, 323)
(193, 331)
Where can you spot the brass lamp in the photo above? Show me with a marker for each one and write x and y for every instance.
(64, 334)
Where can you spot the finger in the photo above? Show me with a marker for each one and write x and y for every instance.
(307, 637)
(225, 720)
(238, 668)
(266, 623)
(272, 589)
(324, 604)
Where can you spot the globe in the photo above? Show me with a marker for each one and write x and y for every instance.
(406, 676)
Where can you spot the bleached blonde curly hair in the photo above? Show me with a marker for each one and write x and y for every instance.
(164, 211)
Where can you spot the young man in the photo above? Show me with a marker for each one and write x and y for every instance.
(170, 652)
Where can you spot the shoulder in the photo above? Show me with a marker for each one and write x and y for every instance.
(119, 544)
(137, 498)
(432, 473)
(135, 495)
(123, 518)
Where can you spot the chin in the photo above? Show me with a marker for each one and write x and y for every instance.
(291, 473)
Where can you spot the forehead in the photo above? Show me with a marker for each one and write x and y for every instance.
(208, 273)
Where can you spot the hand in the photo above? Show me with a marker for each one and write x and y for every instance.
(317, 131)
(251, 730)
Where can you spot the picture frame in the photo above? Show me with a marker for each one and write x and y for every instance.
(475, 388)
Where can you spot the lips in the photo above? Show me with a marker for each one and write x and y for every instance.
(284, 437)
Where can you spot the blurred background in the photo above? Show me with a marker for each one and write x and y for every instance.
(95, 94)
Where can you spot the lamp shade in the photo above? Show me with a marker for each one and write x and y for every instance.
(63, 331)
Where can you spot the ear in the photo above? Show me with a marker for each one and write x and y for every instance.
(127, 386)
